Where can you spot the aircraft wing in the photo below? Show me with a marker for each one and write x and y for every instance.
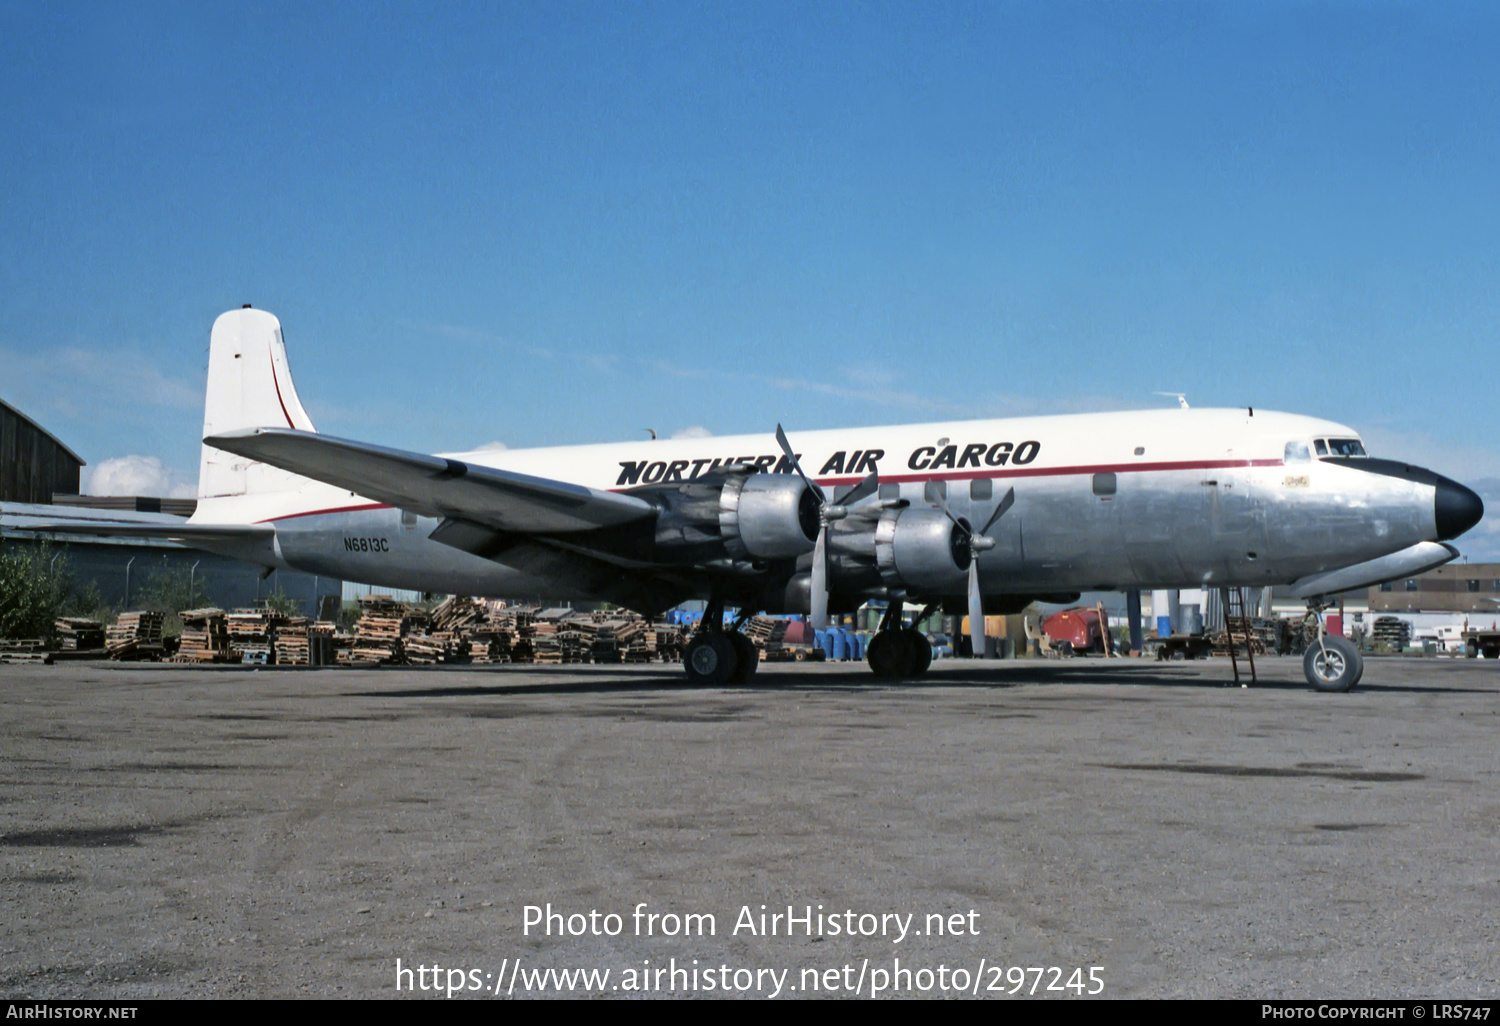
(435, 485)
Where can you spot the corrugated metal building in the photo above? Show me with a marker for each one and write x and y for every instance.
(34, 465)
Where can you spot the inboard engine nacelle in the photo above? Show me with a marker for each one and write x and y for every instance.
(737, 516)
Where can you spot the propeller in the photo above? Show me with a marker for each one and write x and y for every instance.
(828, 512)
(979, 541)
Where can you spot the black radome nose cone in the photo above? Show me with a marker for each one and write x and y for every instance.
(1455, 508)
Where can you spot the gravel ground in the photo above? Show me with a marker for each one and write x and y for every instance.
(171, 831)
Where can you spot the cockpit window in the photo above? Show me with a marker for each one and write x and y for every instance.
(1346, 447)
(1297, 452)
(1321, 446)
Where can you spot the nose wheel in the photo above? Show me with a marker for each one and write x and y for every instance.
(1331, 663)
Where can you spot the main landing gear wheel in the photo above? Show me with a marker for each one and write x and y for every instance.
(747, 658)
(1336, 665)
(711, 659)
(921, 651)
(895, 654)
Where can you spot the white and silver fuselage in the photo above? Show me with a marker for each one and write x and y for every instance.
(1141, 499)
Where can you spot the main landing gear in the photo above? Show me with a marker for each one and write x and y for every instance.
(1331, 663)
(896, 652)
(718, 658)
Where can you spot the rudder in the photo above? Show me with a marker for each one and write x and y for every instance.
(249, 385)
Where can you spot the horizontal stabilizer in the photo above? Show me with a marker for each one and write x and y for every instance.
(126, 529)
(435, 485)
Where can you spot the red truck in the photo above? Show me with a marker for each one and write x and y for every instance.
(1075, 631)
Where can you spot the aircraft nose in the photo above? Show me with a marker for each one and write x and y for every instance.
(1455, 508)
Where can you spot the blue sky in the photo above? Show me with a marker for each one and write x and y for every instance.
(553, 223)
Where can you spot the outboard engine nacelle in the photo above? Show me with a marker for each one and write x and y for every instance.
(921, 551)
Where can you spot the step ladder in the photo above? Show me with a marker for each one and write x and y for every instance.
(1234, 609)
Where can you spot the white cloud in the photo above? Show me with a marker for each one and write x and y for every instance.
(696, 431)
(138, 475)
(490, 447)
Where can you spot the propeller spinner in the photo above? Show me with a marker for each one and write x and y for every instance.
(979, 541)
(828, 513)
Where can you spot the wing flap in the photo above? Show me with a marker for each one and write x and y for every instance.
(436, 485)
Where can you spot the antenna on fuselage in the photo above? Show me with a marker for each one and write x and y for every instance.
(1181, 397)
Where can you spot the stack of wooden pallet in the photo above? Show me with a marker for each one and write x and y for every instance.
(78, 634)
(421, 649)
(664, 641)
(25, 650)
(377, 636)
(291, 644)
(458, 614)
(205, 638)
(252, 633)
(135, 635)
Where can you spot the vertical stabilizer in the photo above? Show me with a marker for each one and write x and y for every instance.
(249, 385)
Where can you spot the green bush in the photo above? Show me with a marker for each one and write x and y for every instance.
(33, 591)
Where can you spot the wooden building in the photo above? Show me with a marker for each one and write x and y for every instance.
(34, 466)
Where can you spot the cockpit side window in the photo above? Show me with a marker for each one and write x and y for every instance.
(1297, 452)
(1321, 446)
(1346, 447)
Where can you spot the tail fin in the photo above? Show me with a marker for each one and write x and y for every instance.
(249, 385)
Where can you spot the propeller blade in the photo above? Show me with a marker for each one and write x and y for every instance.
(819, 598)
(976, 611)
(786, 447)
(942, 504)
(869, 486)
(1005, 504)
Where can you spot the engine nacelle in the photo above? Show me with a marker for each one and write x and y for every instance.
(768, 516)
(921, 551)
(738, 517)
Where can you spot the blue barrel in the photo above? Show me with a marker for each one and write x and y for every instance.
(840, 648)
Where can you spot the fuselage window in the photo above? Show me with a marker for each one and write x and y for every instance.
(1297, 452)
(408, 519)
(1321, 446)
(1104, 484)
(890, 490)
(935, 491)
(1346, 447)
(981, 489)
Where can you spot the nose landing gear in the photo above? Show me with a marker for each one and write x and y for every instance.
(1331, 663)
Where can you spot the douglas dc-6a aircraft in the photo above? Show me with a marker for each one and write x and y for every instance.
(986, 515)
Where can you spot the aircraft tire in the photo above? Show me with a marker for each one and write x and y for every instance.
(1338, 670)
(889, 654)
(710, 660)
(747, 659)
(920, 650)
